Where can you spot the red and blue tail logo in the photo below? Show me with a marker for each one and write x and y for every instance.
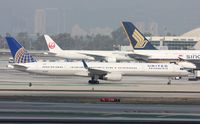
(18, 52)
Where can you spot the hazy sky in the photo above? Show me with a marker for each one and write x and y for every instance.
(178, 16)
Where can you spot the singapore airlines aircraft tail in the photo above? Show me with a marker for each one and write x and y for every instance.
(52, 46)
(19, 53)
(136, 38)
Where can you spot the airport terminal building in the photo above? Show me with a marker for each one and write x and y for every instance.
(187, 41)
(175, 43)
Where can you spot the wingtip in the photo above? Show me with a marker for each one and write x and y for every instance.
(46, 36)
(84, 64)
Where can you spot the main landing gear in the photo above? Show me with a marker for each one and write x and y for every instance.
(170, 79)
(94, 80)
(169, 82)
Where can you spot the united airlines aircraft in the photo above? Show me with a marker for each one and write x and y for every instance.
(144, 50)
(23, 61)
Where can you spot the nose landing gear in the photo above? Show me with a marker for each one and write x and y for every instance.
(169, 82)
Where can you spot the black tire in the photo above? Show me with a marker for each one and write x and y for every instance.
(90, 81)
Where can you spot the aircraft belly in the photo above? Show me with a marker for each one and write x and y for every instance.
(75, 56)
(161, 60)
(54, 72)
(154, 73)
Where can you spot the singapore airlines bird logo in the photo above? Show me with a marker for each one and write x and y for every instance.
(141, 42)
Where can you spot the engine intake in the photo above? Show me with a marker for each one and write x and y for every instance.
(112, 77)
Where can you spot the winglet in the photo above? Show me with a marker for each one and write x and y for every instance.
(84, 64)
(136, 38)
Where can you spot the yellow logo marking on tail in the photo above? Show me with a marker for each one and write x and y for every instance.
(141, 42)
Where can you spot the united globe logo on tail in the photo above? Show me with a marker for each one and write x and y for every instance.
(19, 53)
(22, 56)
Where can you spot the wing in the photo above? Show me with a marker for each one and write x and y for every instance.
(19, 67)
(193, 64)
(96, 57)
(139, 57)
(93, 71)
(97, 72)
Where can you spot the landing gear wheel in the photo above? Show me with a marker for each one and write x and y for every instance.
(93, 82)
(169, 82)
(90, 81)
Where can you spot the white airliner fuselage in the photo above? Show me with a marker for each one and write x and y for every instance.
(144, 50)
(110, 56)
(167, 55)
(123, 69)
(96, 70)
(113, 56)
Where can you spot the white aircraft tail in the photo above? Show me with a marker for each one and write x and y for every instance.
(52, 46)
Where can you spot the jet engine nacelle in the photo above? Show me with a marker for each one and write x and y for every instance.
(177, 78)
(187, 65)
(111, 59)
(113, 77)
